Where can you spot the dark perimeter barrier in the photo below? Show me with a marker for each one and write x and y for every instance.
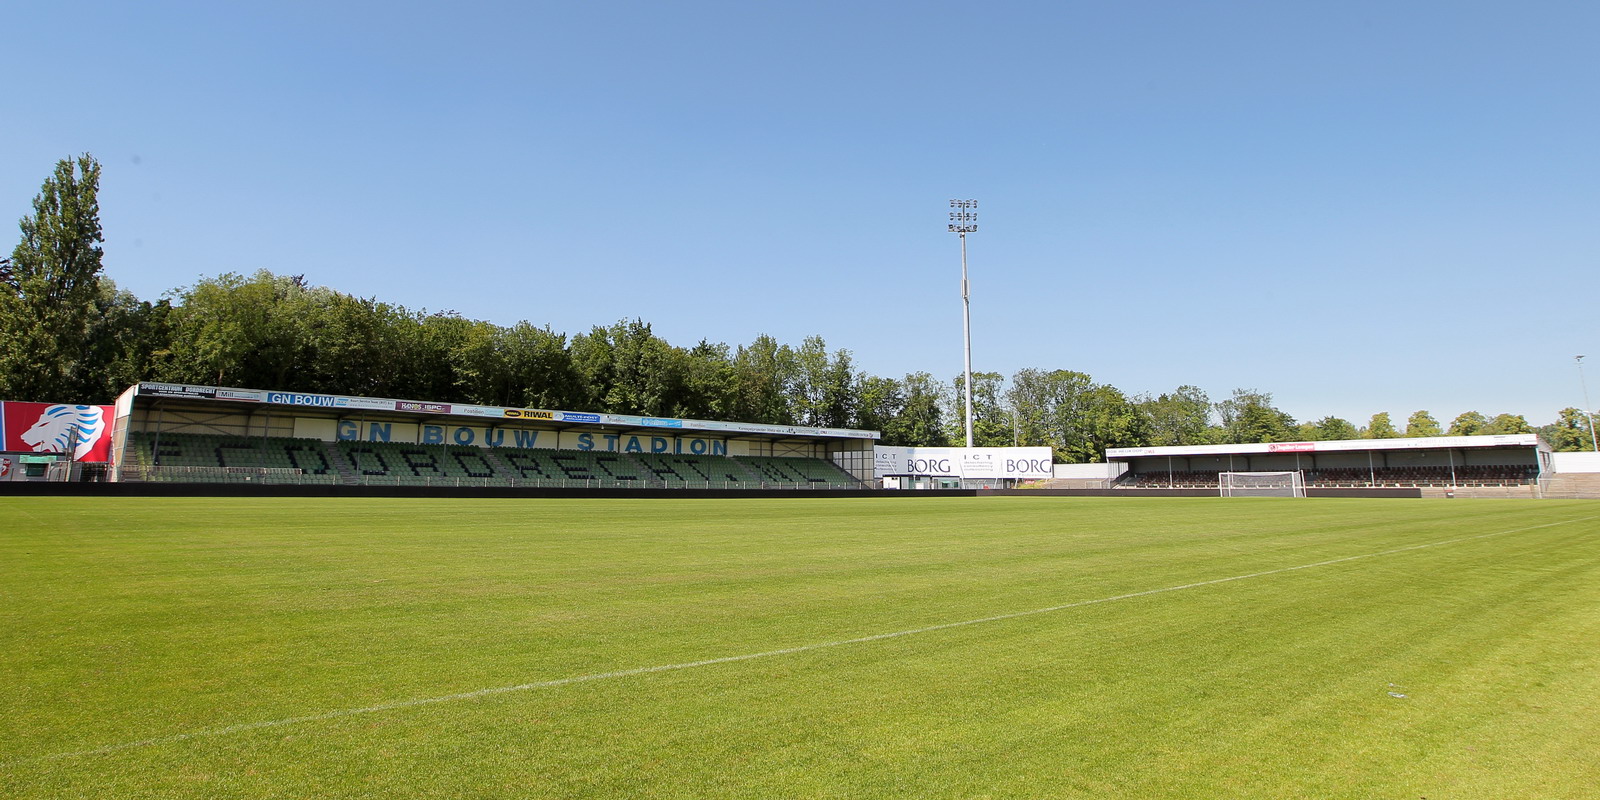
(58, 489)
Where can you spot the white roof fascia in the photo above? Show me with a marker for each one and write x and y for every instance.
(1340, 445)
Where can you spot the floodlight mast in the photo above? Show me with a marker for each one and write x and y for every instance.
(1587, 412)
(964, 220)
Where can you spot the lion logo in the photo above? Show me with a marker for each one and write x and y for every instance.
(53, 433)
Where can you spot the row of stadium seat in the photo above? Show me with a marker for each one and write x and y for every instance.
(211, 457)
(1355, 477)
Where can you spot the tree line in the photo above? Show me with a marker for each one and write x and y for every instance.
(67, 333)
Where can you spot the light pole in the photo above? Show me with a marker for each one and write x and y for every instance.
(1586, 412)
(964, 220)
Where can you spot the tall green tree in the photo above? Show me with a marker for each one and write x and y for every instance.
(879, 400)
(627, 369)
(763, 378)
(1380, 427)
(1180, 417)
(238, 331)
(920, 422)
(352, 345)
(128, 342)
(710, 392)
(1249, 417)
(1421, 424)
(478, 361)
(1076, 417)
(1506, 424)
(1110, 420)
(1329, 429)
(1052, 409)
(1469, 423)
(50, 289)
(432, 342)
(991, 420)
(1570, 432)
(824, 386)
(644, 374)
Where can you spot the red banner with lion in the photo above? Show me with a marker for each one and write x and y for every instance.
(84, 431)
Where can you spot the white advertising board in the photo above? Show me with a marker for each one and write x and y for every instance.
(975, 463)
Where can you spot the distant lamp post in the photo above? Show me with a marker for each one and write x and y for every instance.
(964, 220)
(1587, 413)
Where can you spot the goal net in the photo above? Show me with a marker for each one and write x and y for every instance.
(1261, 484)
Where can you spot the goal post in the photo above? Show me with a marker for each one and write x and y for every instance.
(1261, 484)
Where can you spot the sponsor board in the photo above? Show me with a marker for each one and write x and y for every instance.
(658, 422)
(177, 390)
(573, 416)
(366, 403)
(971, 463)
(313, 400)
(203, 392)
(85, 431)
(1129, 452)
(328, 401)
(980, 464)
(478, 411)
(430, 408)
(528, 413)
(1291, 447)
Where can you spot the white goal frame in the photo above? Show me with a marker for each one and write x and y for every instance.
(1262, 484)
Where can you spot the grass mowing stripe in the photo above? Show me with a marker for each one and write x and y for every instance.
(479, 693)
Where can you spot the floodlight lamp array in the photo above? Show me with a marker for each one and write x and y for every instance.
(964, 219)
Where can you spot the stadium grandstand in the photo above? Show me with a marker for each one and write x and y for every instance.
(178, 433)
(1509, 465)
(165, 436)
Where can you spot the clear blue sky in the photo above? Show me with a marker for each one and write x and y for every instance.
(1356, 206)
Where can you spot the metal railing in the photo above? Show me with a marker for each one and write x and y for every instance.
(590, 483)
(279, 476)
(172, 474)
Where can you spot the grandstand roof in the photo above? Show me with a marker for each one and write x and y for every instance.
(1346, 445)
(345, 406)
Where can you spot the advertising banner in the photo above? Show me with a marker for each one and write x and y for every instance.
(56, 428)
(530, 413)
(328, 401)
(430, 408)
(148, 389)
(301, 399)
(1291, 447)
(478, 411)
(177, 390)
(973, 463)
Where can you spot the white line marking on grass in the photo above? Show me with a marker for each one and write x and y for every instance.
(805, 648)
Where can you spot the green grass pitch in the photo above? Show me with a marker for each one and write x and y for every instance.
(1007, 647)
